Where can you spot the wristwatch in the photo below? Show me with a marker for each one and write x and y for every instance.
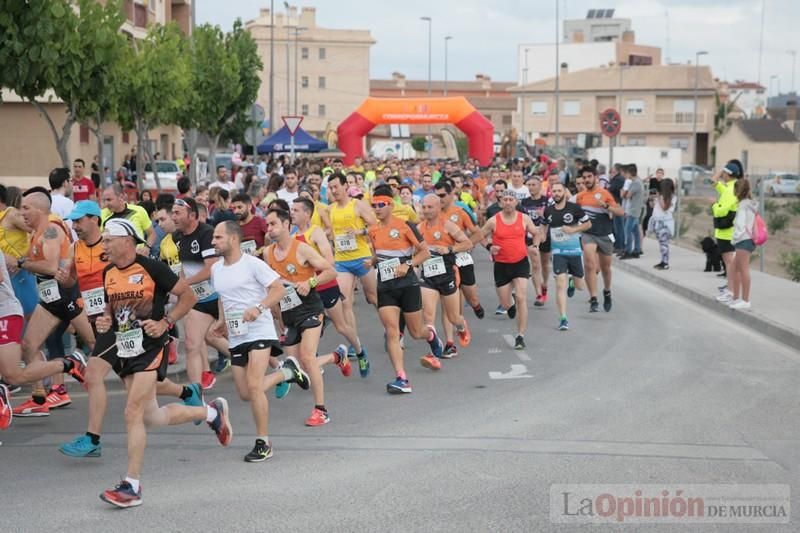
(261, 308)
(410, 263)
(312, 282)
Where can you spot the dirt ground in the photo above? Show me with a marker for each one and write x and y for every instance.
(694, 227)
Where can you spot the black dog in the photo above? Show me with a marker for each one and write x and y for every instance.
(713, 256)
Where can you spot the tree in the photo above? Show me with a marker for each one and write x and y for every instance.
(225, 75)
(154, 87)
(51, 46)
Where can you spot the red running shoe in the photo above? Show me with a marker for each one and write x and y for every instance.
(319, 417)
(429, 361)
(208, 379)
(6, 413)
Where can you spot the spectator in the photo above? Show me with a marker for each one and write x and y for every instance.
(634, 194)
(223, 180)
(661, 221)
(615, 185)
(184, 187)
(146, 196)
(724, 212)
(739, 274)
(220, 198)
(290, 183)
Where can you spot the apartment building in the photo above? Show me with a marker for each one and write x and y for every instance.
(320, 73)
(27, 147)
(656, 104)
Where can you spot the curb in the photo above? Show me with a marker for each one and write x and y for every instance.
(759, 324)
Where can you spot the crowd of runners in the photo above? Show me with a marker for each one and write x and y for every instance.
(94, 282)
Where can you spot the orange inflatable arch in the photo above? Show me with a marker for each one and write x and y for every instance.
(454, 110)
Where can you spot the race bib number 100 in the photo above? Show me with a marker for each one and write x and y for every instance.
(129, 343)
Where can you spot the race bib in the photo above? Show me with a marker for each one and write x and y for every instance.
(386, 269)
(433, 267)
(129, 343)
(345, 243)
(48, 291)
(463, 259)
(176, 268)
(202, 290)
(94, 301)
(248, 247)
(558, 235)
(236, 324)
(290, 300)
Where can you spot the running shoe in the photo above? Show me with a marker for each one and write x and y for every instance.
(449, 351)
(436, 344)
(299, 375)
(563, 325)
(594, 306)
(208, 379)
(81, 446)
(31, 409)
(260, 452)
(606, 301)
(429, 361)
(512, 311)
(398, 386)
(479, 312)
(78, 370)
(544, 295)
(223, 364)
(402, 341)
(519, 343)
(282, 389)
(351, 350)
(725, 298)
(123, 495)
(221, 425)
(464, 336)
(318, 418)
(6, 413)
(500, 311)
(539, 302)
(12, 389)
(741, 305)
(172, 358)
(58, 397)
(363, 365)
(571, 287)
(343, 362)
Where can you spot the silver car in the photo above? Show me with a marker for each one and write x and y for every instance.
(168, 174)
(781, 184)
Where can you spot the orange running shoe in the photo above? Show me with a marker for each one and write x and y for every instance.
(343, 363)
(58, 397)
(464, 337)
(6, 414)
(207, 379)
(319, 417)
(31, 408)
(429, 361)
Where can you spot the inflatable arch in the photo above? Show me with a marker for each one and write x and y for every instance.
(454, 110)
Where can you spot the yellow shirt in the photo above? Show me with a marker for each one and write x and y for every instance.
(345, 220)
(169, 253)
(13, 242)
(405, 212)
(135, 214)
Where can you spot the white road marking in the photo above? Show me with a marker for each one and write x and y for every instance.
(517, 372)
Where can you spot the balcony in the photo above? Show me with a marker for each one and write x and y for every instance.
(135, 12)
(679, 118)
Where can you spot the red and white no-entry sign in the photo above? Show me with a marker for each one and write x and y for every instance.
(610, 122)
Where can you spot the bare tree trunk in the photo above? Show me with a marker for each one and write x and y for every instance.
(191, 145)
(141, 137)
(213, 142)
(146, 145)
(61, 140)
(98, 134)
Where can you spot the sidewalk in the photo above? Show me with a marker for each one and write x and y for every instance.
(776, 301)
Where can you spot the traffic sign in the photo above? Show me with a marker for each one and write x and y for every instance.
(292, 122)
(610, 122)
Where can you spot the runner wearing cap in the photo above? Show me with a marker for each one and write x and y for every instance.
(136, 290)
(508, 230)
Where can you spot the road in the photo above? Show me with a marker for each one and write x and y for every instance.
(657, 391)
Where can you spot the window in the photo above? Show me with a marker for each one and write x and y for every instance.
(84, 134)
(683, 110)
(636, 141)
(679, 142)
(634, 107)
(304, 52)
(321, 110)
(321, 82)
(322, 53)
(304, 82)
(506, 120)
(126, 137)
(571, 108)
(538, 108)
(304, 110)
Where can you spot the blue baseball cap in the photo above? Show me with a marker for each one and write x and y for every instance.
(84, 208)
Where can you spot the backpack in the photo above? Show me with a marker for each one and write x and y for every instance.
(759, 231)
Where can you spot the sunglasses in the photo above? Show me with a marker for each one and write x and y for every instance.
(379, 205)
(180, 202)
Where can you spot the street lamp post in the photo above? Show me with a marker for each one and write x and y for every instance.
(558, 88)
(430, 47)
(793, 53)
(271, 64)
(694, 140)
(523, 110)
(288, 77)
(769, 89)
(447, 38)
(297, 30)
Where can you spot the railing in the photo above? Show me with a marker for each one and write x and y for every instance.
(679, 118)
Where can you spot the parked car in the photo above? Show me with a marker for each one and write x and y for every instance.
(781, 183)
(691, 175)
(168, 174)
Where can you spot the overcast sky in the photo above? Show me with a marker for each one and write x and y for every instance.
(486, 33)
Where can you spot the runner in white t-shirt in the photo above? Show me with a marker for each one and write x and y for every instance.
(241, 280)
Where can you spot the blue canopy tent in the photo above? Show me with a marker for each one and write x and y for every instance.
(281, 141)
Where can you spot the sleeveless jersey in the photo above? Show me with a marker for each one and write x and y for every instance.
(344, 220)
(510, 238)
(306, 238)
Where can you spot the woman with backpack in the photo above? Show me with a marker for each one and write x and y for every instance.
(743, 242)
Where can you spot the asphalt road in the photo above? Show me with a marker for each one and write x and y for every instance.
(658, 391)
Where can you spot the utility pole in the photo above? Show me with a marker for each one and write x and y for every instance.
(297, 30)
(430, 37)
(288, 71)
(558, 89)
(447, 38)
(271, 64)
(793, 53)
(524, 110)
